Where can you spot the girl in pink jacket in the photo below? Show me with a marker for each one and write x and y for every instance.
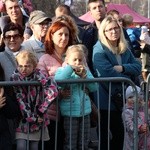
(33, 101)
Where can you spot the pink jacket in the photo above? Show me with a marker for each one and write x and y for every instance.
(50, 64)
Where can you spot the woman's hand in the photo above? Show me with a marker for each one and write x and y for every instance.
(2, 102)
(118, 68)
(2, 99)
(1, 91)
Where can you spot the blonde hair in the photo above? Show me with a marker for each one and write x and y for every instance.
(28, 56)
(77, 48)
(122, 43)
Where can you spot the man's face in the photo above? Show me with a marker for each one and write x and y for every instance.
(61, 11)
(97, 10)
(13, 10)
(13, 40)
(40, 30)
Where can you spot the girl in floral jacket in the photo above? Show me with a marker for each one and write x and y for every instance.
(32, 105)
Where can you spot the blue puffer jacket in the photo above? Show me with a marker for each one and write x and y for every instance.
(78, 97)
(104, 61)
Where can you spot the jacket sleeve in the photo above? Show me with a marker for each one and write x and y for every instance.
(132, 66)
(128, 120)
(50, 92)
(25, 107)
(91, 86)
(104, 61)
(11, 109)
(66, 72)
(102, 65)
(22, 99)
(146, 49)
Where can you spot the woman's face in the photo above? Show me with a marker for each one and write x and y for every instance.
(61, 38)
(112, 32)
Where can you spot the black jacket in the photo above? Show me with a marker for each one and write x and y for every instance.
(10, 110)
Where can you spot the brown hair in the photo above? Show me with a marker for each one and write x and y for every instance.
(71, 23)
(113, 12)
(91, 1)
(127, 20)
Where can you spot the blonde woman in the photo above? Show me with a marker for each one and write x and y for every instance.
(112, 58)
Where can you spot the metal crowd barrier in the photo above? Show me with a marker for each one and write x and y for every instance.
(146, 89)
(123, 82)
(27, 84)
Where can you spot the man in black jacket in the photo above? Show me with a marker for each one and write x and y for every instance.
(98, 11)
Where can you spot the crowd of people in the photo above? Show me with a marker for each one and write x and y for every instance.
(35, 47)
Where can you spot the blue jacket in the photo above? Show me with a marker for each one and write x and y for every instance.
(104, 61)
(78, 95)
(134, 35)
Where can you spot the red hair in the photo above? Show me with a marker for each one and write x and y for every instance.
(49, 45)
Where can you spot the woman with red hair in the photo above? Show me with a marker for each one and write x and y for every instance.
(57, 40)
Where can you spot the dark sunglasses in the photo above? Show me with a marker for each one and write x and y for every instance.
(15, 37)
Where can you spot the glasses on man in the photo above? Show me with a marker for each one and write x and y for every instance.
(9, 37)
(112, 29)
(44, 23)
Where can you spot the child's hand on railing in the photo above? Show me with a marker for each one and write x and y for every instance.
(143, 128)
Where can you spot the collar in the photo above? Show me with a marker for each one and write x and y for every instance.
(41, 44)
(10, 52)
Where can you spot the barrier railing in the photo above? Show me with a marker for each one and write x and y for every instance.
(110, 81)
(123, 81)
(146, 90)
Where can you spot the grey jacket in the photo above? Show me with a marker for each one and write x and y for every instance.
(33, 45)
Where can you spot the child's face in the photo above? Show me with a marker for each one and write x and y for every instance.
(25, 67)
(131, 101)
(75, 59)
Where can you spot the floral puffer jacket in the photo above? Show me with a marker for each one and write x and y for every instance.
(34, 100)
